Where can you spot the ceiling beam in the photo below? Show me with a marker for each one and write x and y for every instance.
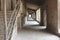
(38, 2)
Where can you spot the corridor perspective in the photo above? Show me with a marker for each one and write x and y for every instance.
(29, 19)
(31, 23)
(32, 31)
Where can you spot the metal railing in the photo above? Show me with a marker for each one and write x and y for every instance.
(12, 20)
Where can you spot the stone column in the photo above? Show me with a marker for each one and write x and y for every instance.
(42, 17)
(52, 16)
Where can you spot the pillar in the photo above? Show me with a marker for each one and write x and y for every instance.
(22, 15)
(42, 17)
(52, 17)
